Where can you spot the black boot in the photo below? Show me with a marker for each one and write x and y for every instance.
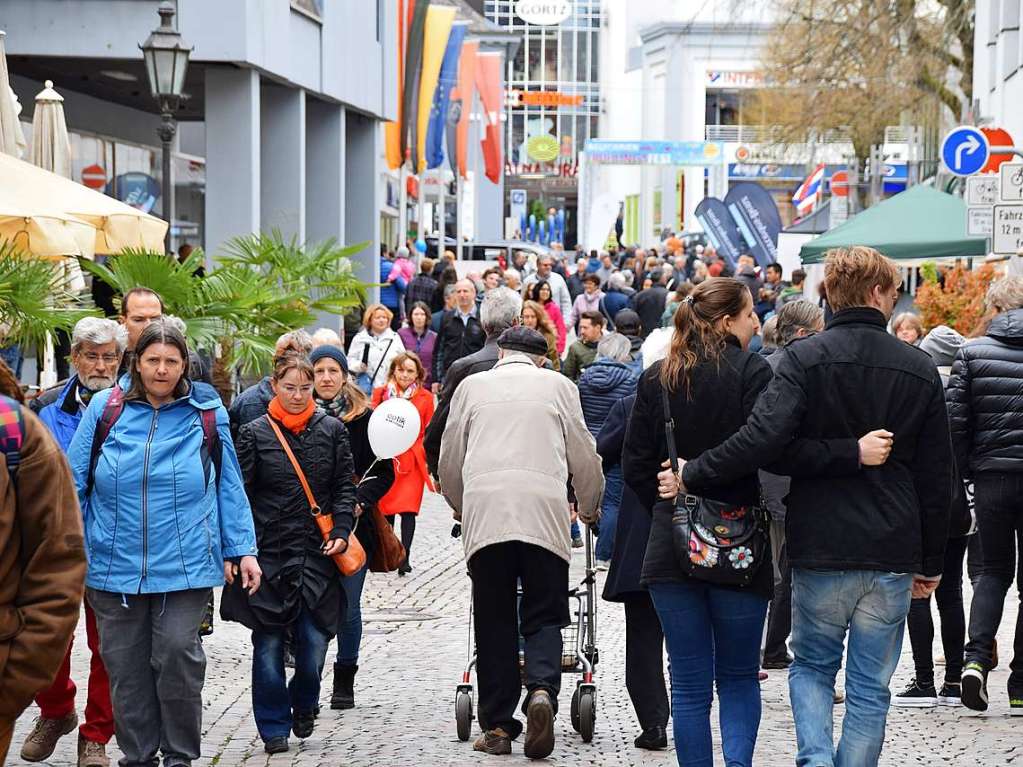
(344, 687)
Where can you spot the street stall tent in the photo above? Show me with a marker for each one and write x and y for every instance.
(47, 215)
(920, 224)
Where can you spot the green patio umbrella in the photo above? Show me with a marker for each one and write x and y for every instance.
(918, 224)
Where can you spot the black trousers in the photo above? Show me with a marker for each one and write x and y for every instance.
(999, 506)
(779, 619)
(644, 662)
(408, 529)
(949, 597)
(500, 617)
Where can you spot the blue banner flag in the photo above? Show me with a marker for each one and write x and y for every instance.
(717, 222)
(756, 215)
(442, 96)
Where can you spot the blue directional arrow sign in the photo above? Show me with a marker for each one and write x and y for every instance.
(964, 151)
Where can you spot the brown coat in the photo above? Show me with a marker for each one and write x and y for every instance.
(42, 569)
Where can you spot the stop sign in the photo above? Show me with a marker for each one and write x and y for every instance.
(94, 176)
(840, 183)
(996, 137)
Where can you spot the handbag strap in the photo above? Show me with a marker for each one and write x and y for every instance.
(313, 506)
(382, 358)
(669, 429)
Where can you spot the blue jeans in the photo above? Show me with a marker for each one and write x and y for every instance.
(273, 698)
(350, 636)
(13, 357)
(713, 635)
(575, 530)
(613, 484)
(871, 607)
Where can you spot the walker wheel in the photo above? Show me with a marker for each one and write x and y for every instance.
(575, 710)
(463, 714)
(587, 714)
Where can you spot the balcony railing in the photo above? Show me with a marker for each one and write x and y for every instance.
(766, 134)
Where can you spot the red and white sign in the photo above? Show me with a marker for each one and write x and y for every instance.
(94, 177)
(996, 137)
(840, 184)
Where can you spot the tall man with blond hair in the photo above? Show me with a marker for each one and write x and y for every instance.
(867, 537)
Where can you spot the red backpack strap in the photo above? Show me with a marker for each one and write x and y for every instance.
(211, 440)
(111, 412)
(12, 434)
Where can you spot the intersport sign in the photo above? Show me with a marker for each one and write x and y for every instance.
(543, 13)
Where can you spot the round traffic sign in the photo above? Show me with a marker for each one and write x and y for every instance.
(964, 151)
(94, 177)
(996, 137)
(840, 183)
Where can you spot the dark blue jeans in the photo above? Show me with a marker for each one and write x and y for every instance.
(713, 635)
(613, 484)
(350, 636)
(273, 698)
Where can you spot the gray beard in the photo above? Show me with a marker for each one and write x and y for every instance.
(96, 383)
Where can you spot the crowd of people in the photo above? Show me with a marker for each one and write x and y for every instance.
(696, 415)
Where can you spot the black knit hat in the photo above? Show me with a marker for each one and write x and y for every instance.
(328, 350)
(520, 339)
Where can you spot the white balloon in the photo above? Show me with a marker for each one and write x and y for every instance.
(393, 427)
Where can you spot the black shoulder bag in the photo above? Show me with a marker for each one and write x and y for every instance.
(714, 541)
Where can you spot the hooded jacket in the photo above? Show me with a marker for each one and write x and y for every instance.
(157, 519)
(63, 414)
(601, 385)
(985, 399)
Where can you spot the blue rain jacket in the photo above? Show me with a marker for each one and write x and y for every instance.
(62, 425)
(156, 520)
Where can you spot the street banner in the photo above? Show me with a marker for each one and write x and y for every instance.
(442, 96)
(413, 64)
(756, 215)
(720, 227)
(392, 130)
(463, 98)
(488, 83)
(439, 19)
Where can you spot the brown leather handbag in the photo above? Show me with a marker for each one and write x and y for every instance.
(389, 553)
(353, 558)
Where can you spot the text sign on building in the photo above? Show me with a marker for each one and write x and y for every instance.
(545, 99)
(717, 78)
(982, 190)
(1008, 229)
(1010, 185)
(979, 221)
(607, 152)
(543, 13)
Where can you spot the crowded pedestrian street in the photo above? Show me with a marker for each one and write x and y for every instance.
(414, 652)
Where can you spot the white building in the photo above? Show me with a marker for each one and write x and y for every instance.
(997, 60)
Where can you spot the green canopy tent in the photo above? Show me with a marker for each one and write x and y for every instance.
(921, 223)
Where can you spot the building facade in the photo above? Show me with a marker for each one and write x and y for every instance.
(997, 65)
(280, 130)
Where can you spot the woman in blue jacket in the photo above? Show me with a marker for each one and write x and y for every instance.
(166, 519)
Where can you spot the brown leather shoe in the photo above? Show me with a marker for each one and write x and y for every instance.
(495, 742)
(41, 742)
(92, 754)
(539, 726)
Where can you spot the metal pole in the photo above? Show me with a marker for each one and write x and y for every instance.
(442, 242)
(402, 205)
(458, 215)
(166, 132)
(421, 234)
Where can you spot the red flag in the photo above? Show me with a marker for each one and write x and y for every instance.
(466, 89)
(488, 83)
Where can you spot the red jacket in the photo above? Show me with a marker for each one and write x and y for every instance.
(410, 472)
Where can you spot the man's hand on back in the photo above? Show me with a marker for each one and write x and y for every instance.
(875, 447)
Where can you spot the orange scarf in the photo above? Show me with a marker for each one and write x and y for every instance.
(293, 422)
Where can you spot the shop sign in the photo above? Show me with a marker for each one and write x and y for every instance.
(543, 13)
(561, 170)
(655, 152)
(545, 99)
(717, 78)
(543, 148)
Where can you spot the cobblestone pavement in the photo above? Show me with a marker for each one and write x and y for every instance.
(412, 657)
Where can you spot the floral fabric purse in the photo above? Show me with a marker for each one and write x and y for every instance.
(714, 541)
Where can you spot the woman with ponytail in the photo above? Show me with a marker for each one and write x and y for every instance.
(712, 632)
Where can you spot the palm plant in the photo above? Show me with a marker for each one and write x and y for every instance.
(35, 300)
(261, 287)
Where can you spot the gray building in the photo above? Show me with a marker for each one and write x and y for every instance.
(281, 128)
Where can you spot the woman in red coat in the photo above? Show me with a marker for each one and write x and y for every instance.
(405, 379)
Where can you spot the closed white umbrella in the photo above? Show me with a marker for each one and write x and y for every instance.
(12, 140)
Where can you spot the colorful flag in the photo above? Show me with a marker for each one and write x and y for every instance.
(488, 83)
(809, 192)
(463, 97)
(392, 130)
(442, 96)
(439, 19)
(413, 64)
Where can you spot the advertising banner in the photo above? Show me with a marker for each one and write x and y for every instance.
(717, 222)
(756, 215)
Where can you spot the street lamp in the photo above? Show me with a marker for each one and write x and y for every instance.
(166, 58)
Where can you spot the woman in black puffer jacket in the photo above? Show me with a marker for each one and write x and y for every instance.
(336, 392)
(985, 407)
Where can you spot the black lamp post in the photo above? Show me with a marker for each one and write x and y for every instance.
(166, 58)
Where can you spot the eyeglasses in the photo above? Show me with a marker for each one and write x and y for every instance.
(108, 359)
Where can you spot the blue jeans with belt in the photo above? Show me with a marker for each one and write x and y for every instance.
(713, 635)
(871, 607)
(273, 698)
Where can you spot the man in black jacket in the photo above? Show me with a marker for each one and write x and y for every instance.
(986, 412)
(461, 333)
(499, 311)
(862, 541)
(649, 303)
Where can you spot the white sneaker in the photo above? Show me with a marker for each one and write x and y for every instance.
(603, 564)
